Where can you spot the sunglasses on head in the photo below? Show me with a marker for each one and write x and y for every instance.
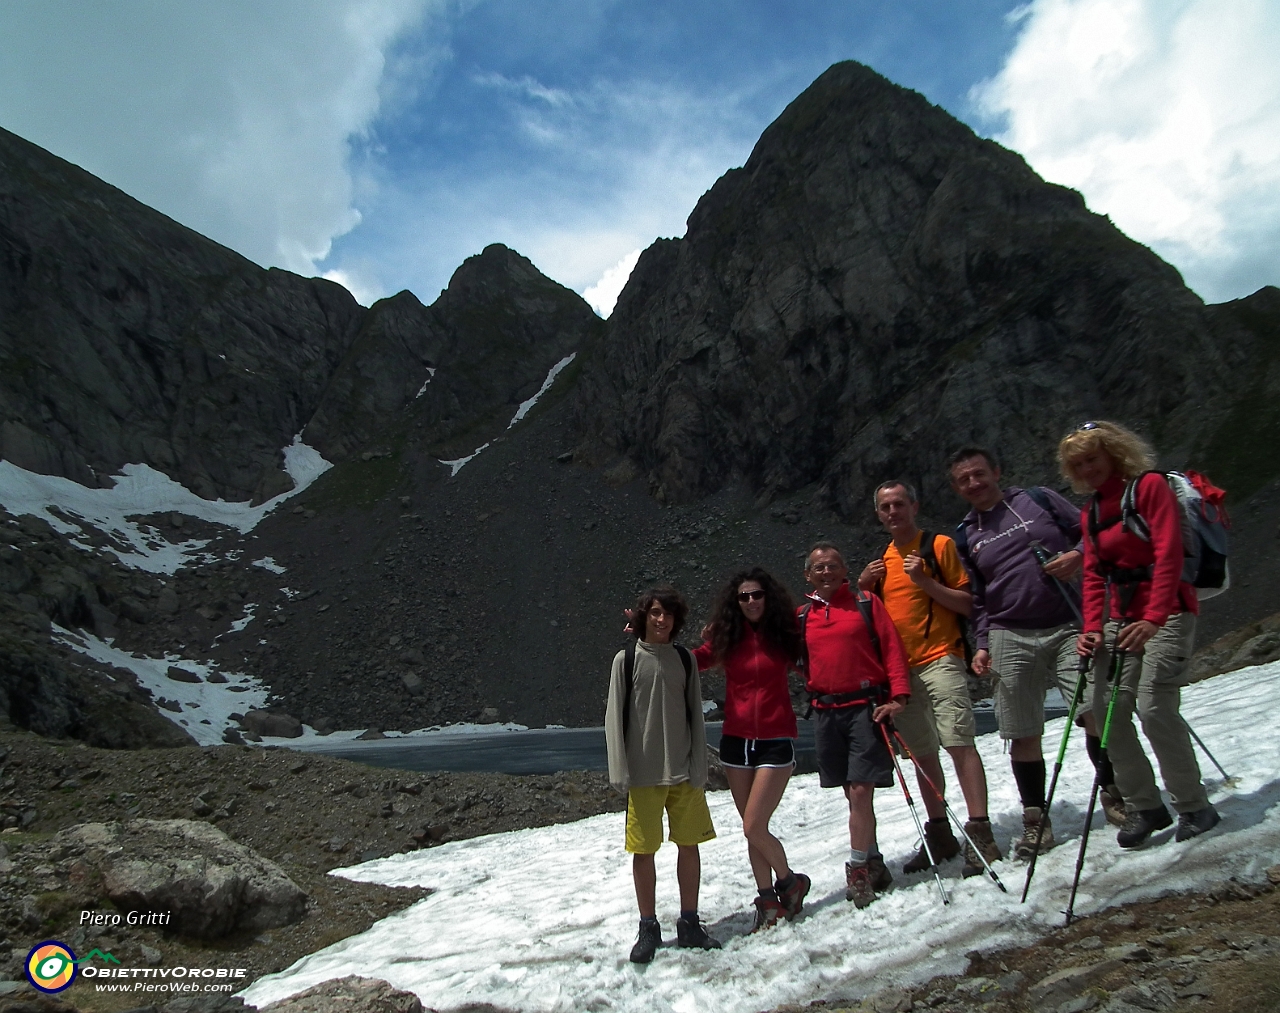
(746, 596)
(1084, 427)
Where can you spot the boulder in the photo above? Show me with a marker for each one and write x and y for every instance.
(182, 675)
(352, 994)
(284, 726)
(210, 885)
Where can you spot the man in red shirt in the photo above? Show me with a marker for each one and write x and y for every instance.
(856, 675)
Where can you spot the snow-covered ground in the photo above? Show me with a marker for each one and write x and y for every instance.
(140, 489)
(543, 919)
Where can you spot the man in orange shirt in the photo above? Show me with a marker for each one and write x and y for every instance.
(925, 590)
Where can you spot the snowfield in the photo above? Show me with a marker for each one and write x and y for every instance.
(543, 919)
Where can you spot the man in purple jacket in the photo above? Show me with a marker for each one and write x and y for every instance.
(1024, 627)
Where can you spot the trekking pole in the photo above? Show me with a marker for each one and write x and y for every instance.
(1227, 780)
(1117, 673)
(950, 812)
(911, 804)
(1076, 698)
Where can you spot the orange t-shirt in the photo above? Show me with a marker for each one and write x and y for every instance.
(908, 604)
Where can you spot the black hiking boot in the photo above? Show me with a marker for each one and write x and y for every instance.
(1194, 824)
(1141, 824)
(691, 934)
(647, 942)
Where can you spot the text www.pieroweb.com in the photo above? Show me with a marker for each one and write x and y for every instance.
(179, 979)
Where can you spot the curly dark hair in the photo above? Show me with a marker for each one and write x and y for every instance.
(670, 599)
(777, 625)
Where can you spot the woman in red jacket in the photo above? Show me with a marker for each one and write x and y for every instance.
(753, 637)
(1157, 611)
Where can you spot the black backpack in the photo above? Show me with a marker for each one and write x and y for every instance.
(628, 671)
(802, 618)
(1039, 495)
(928, 553)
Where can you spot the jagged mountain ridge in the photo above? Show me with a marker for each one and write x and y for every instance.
(126, 337)
(877, 286)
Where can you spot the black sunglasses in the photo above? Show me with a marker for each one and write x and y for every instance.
(746, 596)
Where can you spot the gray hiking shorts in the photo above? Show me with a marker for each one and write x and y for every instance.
(1024, 664)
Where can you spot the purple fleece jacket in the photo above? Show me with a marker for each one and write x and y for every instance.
(1010, 590)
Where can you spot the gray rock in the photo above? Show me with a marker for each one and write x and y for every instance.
(167, 601)
(1258, 651)
(181, 675)
(210, 884)
(134, 610)
(348, 995)
(150, 955)
(284, 726)
(1069, 982)
(1079, 1004)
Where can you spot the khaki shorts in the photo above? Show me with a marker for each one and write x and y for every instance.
(687, 816)
(940, 712)
(1025, 663)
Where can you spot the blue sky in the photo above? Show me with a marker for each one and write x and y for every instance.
(380, 142)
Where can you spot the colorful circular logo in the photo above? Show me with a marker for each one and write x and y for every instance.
(51, 966)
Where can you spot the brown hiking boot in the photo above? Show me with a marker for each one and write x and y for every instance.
(1025, 846)
(979, 831)
(881, 878)
(768, 911)
(792, 898)
(942, 843)
(858, 886)
(1113, 805)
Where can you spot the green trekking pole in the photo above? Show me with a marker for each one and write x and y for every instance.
(1117, 673)
(1076, 698)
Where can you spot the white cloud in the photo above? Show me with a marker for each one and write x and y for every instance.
(1165, 114)
(234, 118)
(363, 288)
(602, 296)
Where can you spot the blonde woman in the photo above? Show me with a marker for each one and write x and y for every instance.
(1143, 581)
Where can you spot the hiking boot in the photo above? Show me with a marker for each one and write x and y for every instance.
(980, 832)
(858, 886)
(1113, 805)
(647, 942)
(1140, 824)
(691, 934)
(1194, 824)
(1025, 846)
(792, 898)
(942, 842)
(768, 911)
(881, 878)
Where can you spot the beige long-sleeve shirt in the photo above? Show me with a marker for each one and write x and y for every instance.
(660, 745)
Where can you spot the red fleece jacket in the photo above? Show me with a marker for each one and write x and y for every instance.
(842, 658)
(757, 701)
(1166, 593)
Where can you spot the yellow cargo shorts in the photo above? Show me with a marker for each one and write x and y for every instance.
(688, 817)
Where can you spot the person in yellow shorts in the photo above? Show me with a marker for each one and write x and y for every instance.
(657, 747)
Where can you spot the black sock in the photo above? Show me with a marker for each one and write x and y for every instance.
(650, 919)
(1030, 777)
(689, 916)
(937, 820)
(1101, 761)
(769, 893)
(784, 884)
(979, 819)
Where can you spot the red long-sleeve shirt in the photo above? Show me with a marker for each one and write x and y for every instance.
(842, 658)
(757, 700)
(1166, 593)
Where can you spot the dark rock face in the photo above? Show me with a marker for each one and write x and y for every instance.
(876, 287)
(479, 350)
(125, 337)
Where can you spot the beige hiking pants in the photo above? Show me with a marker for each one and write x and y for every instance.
(1152, 684)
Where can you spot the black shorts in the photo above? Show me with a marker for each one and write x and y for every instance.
(736, 751)
(850, 748)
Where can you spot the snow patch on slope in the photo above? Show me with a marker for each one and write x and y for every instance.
(71, 508)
